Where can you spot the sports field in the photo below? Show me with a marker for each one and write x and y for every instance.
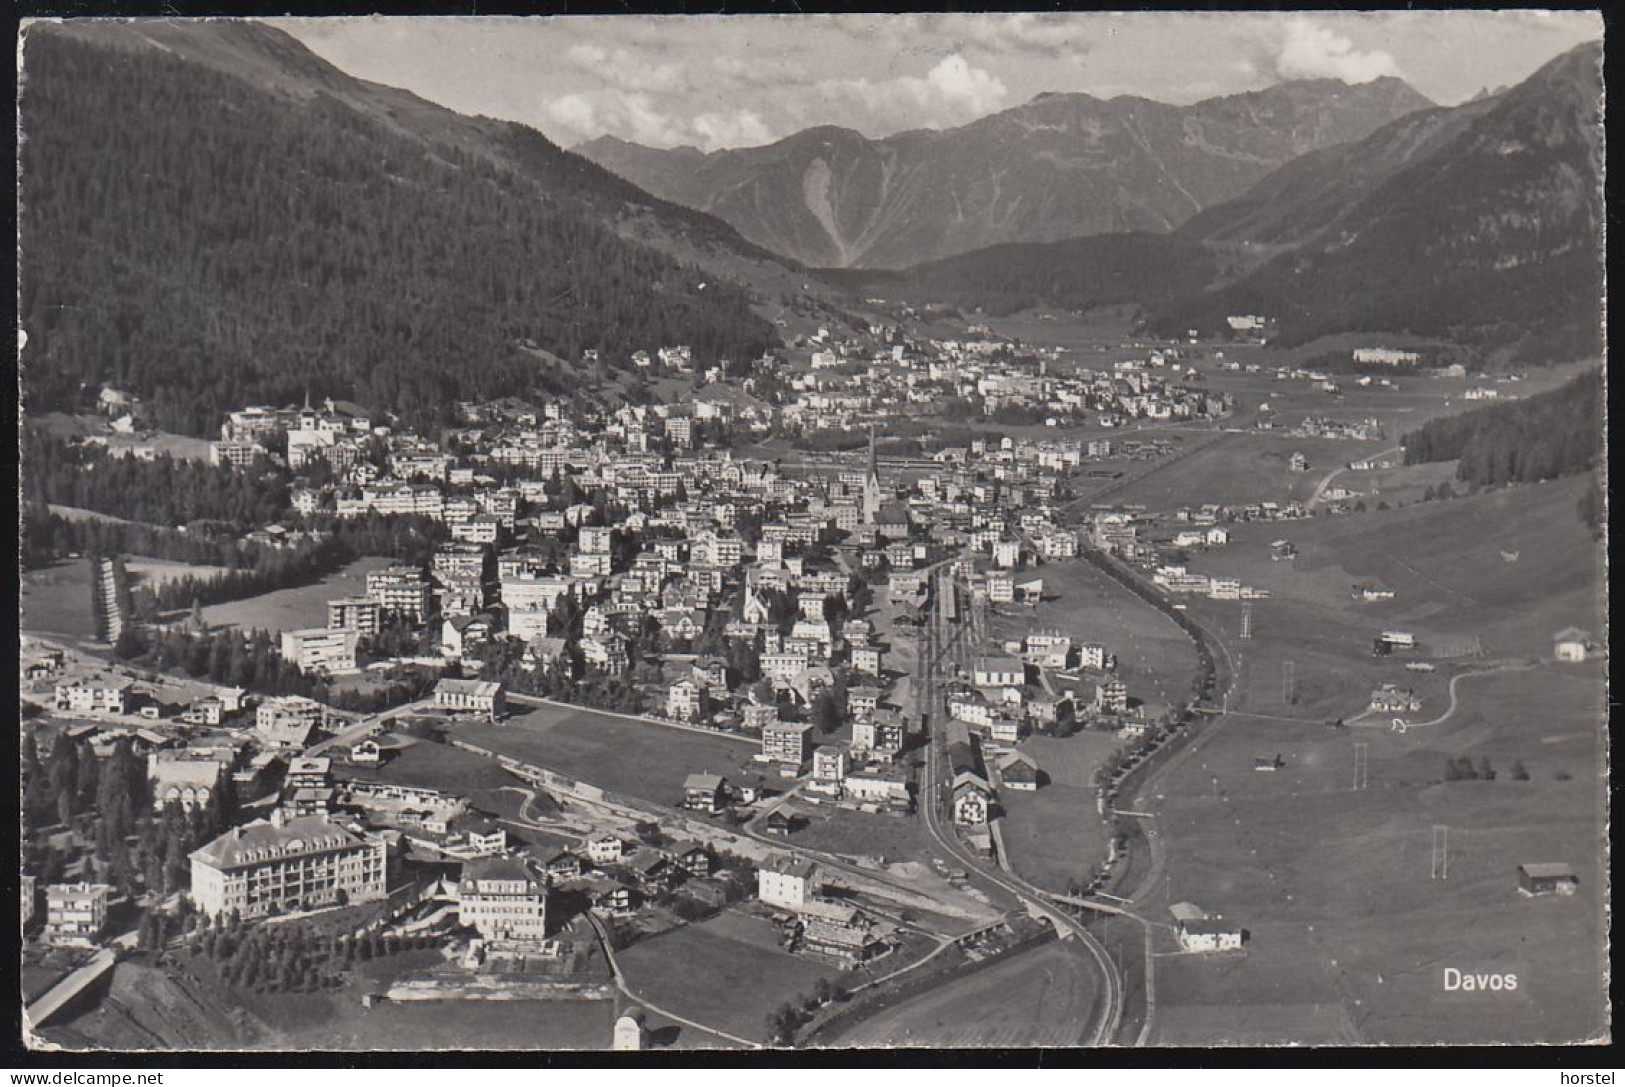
(644, 761)
(56, 600)
(1041, 997)
(294, 609)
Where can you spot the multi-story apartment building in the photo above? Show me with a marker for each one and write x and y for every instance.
(357, 613)
(403, 590)
(321, 649)
(282, 864)
(75, 913)
(93, 695)
(787, 741)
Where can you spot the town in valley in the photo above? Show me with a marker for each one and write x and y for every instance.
(694, 626)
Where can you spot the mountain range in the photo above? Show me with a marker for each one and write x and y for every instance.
(1479, 223)
(274, 227)
(1057, 167)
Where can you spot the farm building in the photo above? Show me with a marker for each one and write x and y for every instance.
(1209, 934)
(1547, 879)
(1571, 645)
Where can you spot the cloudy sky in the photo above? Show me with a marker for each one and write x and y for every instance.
(733, 81)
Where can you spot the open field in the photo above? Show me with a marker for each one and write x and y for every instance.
(856, 834)
(1445, 564)
(647, 762)
(56, 600)
(1039, 997)
(1244, 468)
(145, 571)
(1317, 872)
(726, 972)
(1056, 835)
(1154, 657)
(473, 1025)
(294, 609)
(75, 514)
(441, 766)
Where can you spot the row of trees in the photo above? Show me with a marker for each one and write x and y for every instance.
(1462, 769)
(161, 491)
(785, 1021)
(289, 958)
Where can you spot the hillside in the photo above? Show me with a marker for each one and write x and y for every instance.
(270, 225)
(1059, 166)
(1481, 224)
(1549, 435)
(1079, 274)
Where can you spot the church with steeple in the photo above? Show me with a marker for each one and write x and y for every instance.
(873, 496)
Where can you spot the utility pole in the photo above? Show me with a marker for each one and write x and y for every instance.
(1246, 622)
(1289, 683)
(1360, 766)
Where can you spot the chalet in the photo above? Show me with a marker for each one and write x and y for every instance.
(610, 897)
(1208, 934)
(1019, 772)
(780, 822)
(366, 752)
(695, 858)
(1547, 879)
(1571, 645)
(705, 793)
(562, 864)
(972, 803)
(653, 871)
(1391, 699)
(605, 849)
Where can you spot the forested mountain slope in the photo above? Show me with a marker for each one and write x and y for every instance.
(210, 215)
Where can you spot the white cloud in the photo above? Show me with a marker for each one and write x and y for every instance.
(1313, 52)
(574, 117)
(963, 87)
(952, 93)
(639, 106)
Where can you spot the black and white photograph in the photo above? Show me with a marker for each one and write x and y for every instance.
(761, 534)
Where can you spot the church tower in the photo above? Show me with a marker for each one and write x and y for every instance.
(871, 483)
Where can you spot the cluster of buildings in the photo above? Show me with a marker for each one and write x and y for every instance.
(839, 383)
